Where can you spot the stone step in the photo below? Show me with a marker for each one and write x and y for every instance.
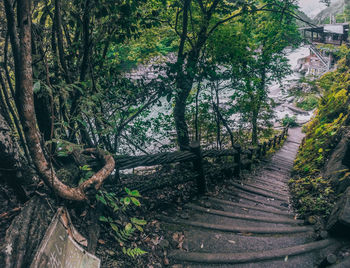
(237, 228)
(267, 185)
(244, 197)
(270, 181)
(204, 217)
(246, 217)
(257, 209)
(253, 190)
(266, 188)
(205, 241)
(250, 256)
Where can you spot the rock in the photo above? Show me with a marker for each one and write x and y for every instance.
(330, 259)
(297, 110)
(290, 99)
(339, 164)
(157, 265)
(339, 220)
(323, 234)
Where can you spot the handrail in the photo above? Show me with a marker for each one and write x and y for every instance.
(243, 159)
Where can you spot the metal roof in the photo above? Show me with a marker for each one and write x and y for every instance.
(334, 28)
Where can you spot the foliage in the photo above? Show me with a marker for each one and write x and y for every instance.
(123, 232)
(289, 121)
(308, 103)
(313, 192)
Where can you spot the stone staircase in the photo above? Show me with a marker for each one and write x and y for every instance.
(248, 223)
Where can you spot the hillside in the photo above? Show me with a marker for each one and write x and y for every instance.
(333, 10)
(321, 169)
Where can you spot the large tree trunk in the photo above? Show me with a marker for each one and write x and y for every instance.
(27, 115)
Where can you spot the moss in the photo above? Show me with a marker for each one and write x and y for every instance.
(313, 194)
(308, 103)
(69, 175)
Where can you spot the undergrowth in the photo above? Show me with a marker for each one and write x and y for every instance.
(313, 194)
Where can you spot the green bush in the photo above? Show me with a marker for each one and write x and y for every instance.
(291, 121)
(312, 193)
(308, 103)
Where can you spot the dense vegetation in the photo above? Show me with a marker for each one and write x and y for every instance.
(107, 78)
(314, 193)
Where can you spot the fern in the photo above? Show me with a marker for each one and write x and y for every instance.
(133, 252)
(123, 235)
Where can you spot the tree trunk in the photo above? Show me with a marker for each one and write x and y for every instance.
(29, 122)
(58, 30)
(197, 111)
(255, 128)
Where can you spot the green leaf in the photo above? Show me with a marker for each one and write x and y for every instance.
(103, 218)
(128, 227)
(101, 199)
(138, 221)
(138, 227)
(126, 200)
(114, 227)
(135, 201)
(135, 193)
(127, 190)
(62, 153)
(86, 168)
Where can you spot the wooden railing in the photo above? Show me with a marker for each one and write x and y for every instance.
(242, 158)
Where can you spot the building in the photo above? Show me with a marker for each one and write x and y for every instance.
(335, 34)
(321, 61)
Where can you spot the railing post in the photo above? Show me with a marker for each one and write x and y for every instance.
(237, 159)
(274, 141)
(259, 151)
(198, 167)
(279, 139)
(250, 157)
(269, 144)
(264, 148)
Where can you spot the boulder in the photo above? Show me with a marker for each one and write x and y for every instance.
(338, 165)
(339, 220)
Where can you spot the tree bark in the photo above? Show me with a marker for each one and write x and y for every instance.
(29, 122)
(11, 28)
(58, 30)
(186, 73)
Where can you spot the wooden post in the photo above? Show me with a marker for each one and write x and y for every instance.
(237, 158)
(264, 148)
(259, 151)
(269, 144)
(198, 167)
(250, 157)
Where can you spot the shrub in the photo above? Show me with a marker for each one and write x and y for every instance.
(291, 121)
